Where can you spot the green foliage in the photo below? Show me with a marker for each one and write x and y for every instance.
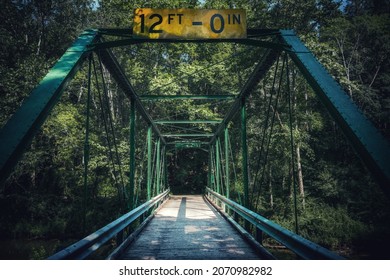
(331, 227)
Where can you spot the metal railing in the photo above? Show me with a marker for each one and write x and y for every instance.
(85, 247)
(301, 246)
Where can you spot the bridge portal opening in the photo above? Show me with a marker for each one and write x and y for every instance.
(187, 171)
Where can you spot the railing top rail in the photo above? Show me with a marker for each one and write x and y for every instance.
(89, 244)
(301, 246)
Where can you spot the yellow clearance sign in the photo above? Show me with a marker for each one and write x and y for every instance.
(189, 23)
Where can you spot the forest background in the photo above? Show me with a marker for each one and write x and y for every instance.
(340, 206)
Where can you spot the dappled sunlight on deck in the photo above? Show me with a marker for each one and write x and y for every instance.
(188, 228)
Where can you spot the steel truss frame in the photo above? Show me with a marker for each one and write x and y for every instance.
(19, 131)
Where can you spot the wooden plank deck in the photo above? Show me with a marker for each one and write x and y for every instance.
(189, 228)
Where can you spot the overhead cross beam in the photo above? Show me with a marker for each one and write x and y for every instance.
(188, 122)
(189, 135)
(183, 97)
(255, 37)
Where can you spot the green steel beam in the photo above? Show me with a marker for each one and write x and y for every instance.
(183, 97)
(128, 32)
(19, 131)
(252, 34)
(188, 135)
(258, 73)
(188, 122)
(132, 154)
(133, 41)
(369, 143)
(209, 169)
(116, 71)
(187, 142)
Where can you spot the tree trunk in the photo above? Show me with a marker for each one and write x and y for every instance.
(300, 176)
(271, 197)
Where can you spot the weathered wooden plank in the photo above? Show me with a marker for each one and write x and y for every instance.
(188, 228)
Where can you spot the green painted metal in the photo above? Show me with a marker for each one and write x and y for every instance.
(189, 135)
(128, 32)
(188, 142)
(185, 97)
(244, 148)
(369, 143)
(149, 170)
(21, 128)
(133, 41)
(301, 246)
(188, 122)
(158, 166)
(186, 145)
(132, 155)
(85, 247)
(227, 171)
(253, 36)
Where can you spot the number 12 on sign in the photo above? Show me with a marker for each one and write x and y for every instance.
(189, 23)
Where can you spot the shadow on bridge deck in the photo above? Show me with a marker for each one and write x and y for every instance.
(189, 228)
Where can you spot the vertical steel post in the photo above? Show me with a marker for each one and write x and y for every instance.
(149, 171)
(218, 164)
(158, 166)
(227, 171)
(132, 154)
(244, 155)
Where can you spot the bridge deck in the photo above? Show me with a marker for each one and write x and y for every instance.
(188, 228)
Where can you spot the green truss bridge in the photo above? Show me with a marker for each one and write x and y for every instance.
(220, 223)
